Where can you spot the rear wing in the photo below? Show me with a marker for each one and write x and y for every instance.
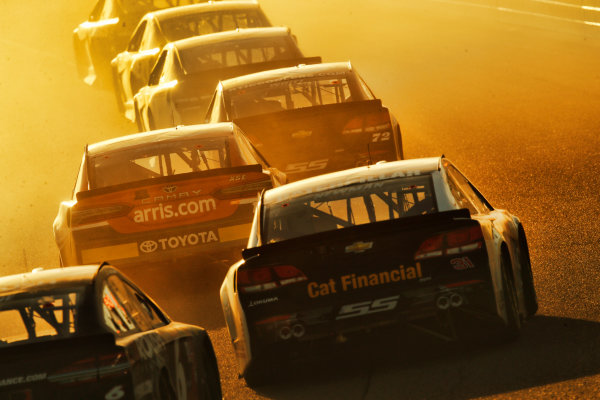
(223, 73)
(359, 231)
(168, 180)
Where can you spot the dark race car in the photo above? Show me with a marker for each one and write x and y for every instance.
(106, 32)
(131, 67)
(89, 333)
(186, 72)
(410, 244)
(310, 119)
(175, 194)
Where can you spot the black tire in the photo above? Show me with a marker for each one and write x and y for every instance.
(209, 380)
(531, 302)
(255, 376)
(512, 327)
(118, 90)
(151, 123)
(165, 389)
(138, 118)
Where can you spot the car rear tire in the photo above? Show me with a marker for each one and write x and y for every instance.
(512, 327)
(529, 294)
(165, 389)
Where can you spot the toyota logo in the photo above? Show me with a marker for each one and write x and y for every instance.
(169, 189)
(148, 246)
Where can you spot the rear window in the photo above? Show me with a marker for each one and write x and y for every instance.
(239, 52)
(291, 94)
(161, 159)
(40, 316)
(347, 206)
(189, 25)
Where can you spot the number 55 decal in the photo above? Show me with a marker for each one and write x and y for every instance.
(306, 166)
(368, 307)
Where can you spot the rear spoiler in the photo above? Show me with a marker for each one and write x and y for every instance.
(360, 230)
(300, 113)
(169, 179)
(246, 69)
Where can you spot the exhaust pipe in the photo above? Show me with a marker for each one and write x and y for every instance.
(285, 333)
(298, 330)
(443, 302)
(456, 300)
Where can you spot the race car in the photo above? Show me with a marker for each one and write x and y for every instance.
(131, 67)
(407, 244)
(186, 72)
(88, 332)
(106, 32)
(310, 119)
(176, 194)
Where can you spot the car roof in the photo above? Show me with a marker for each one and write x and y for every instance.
(380, 171)
(227, 36)
(288, 73)
(48, 279)
(210, 6)
(163, 135)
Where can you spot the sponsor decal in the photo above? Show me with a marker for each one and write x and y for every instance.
(175, 242)
(237, 178)
(359, 247)
(169, 196)
(354, 282)
(368, 307)
(254, 303)
(462, 263)
(23, 379)
(141, 195)
(162, 212)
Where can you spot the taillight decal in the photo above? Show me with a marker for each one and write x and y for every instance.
(451, 243)
(267, 278)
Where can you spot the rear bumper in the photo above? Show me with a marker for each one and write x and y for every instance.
(433, 310)
(210, 241)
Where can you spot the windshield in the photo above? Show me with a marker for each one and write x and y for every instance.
(239, 52)
(39, 316)
(290, 94)
(189, 25)
(348, 206)
(159, 159)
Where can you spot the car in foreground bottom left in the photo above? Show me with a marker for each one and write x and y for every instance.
(88, 332)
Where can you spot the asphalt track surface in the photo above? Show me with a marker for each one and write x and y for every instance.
(513, 102)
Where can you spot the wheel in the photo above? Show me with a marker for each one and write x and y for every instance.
(512, 327)
(209, 380)
(531, 303)
(165, 389)
(151, 123)
(138, 118)
(118, 90)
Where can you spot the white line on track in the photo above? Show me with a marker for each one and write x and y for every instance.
(515, 11)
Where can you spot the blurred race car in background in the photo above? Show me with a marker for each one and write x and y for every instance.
(167, 195)
(410, 243)
(184, 77)
(131, 68)
(106, 32)
(89, 332)
(310, 119)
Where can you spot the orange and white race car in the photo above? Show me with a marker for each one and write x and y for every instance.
(163, 195)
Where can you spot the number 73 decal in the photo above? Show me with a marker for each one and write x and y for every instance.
(368, 307)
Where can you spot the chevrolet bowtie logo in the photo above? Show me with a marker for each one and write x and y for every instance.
(359, 247)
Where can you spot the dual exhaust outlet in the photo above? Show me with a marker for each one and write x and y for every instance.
(296, 330)
(445, 301)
